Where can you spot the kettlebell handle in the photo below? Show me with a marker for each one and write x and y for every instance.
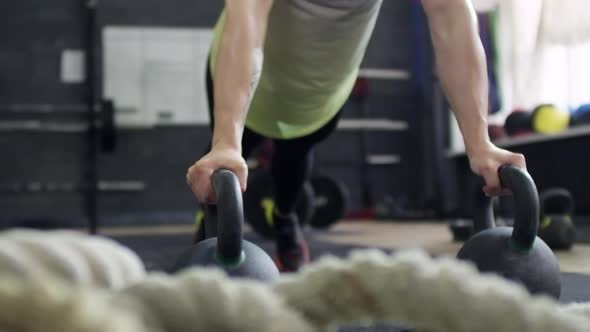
(230, 215)
(526, 206)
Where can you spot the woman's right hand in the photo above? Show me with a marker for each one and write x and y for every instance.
(199, 175)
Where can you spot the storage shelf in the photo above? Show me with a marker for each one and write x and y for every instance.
(533, 139)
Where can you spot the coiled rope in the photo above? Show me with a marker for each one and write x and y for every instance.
(49, 305)
(430, 294)
(67, 255)
(368, 287)
(206, 300)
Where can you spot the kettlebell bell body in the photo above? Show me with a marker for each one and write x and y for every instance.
(253, 263)
(558, 231)
(493, 250)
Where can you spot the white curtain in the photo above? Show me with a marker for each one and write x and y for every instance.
(483, 6)
(542, 61)
(566, 22)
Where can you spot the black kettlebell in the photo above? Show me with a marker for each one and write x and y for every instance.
(514, 253)
(228, 251)
(556, 227)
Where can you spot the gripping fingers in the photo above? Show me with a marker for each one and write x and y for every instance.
(199, 181)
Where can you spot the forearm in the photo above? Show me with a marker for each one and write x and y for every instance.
(237, 70)
(461, 66)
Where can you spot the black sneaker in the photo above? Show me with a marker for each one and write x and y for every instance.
(292, 249)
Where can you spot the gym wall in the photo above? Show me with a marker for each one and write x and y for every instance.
(34, 35)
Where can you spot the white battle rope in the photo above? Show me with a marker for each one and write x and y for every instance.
(49, 305)
(435, 295)
(429, 294)
(71, 256)
(206, 300)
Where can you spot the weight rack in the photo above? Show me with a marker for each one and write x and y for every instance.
(97, 124)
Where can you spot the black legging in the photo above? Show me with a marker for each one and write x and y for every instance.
(292, 159)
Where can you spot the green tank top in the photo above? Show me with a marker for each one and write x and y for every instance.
(312, 54)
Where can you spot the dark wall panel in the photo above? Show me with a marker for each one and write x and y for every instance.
(161, 13)
(391, 44)
(34, 34)
(160, 158)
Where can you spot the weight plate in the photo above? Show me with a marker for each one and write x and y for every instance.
(330, 201)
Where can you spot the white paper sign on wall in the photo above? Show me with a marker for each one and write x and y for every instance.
(73, 66)
(156, 76)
